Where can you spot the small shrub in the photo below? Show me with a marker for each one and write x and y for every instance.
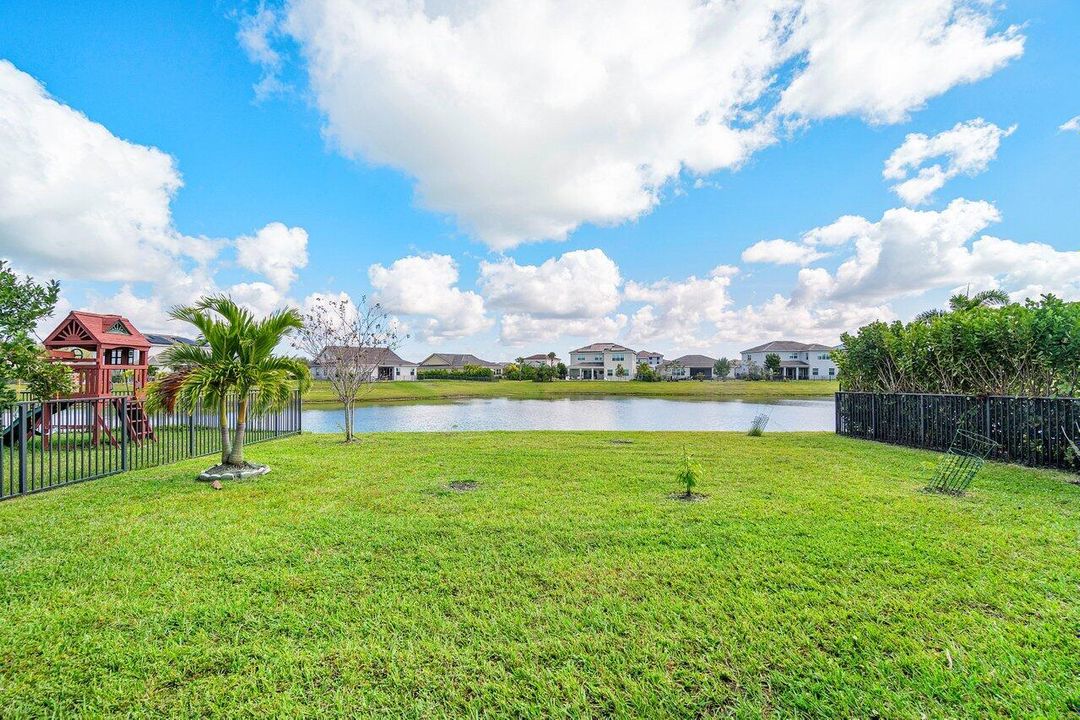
(689, 474)
(757, 425)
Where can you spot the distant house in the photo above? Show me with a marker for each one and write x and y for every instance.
(689, 367)
(458, 361)
(798, 361)
(541, 360)
(653, 359)
(601, 361)
(160, 343)
(385, 364)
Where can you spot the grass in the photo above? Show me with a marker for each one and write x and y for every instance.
(421, 390)
(814, 580)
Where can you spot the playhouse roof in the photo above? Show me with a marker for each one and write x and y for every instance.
(87, 329)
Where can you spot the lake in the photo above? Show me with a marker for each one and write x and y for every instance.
(622, 414)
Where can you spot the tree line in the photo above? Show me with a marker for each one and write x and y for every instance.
(982, 345)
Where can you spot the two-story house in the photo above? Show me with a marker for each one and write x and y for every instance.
(648, 357)
(603, 361)
(798, 361)
(541, 360)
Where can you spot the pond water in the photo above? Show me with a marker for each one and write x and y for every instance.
(620, 414)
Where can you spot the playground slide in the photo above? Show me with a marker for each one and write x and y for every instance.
(10, 436)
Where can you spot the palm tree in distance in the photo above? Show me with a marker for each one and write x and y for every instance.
(233, 357)
(963, 302)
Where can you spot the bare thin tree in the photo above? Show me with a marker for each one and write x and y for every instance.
(348, 342)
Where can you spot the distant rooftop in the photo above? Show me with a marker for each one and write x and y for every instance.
(788, 346)
(602, 346)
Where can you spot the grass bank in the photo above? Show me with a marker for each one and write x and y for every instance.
(435, 390)
(815, 580)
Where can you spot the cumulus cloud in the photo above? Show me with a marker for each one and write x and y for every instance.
(678, 310)
(77, 201)
(880, 61)
(525, 119)
(425, 287)
(578, 284)
(909, 252)
(276, 251)
(520, 329)
(781, 252)
(1071, 125)
(966, 149)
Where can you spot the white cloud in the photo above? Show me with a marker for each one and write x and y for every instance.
(966, 149)
(256, 38)
(275, 251)
(881, 60)
(680, 311)
(426, 287)
(909, 252)
(578, 284)
(525, 119)
(520, 329)
(78, 202)
(1071, 125)
(781, 252)
(839, 232)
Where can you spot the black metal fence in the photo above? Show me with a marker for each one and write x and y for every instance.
(1029, 431)
(48, 444)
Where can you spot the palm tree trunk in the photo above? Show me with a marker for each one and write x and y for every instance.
(236, 455)
(223, 424)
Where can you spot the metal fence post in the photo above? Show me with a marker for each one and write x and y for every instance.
(22, 447)
(123, 433)
(191, 433)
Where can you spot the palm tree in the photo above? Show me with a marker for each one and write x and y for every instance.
(963, 302)
(234, 356)
(551, 358)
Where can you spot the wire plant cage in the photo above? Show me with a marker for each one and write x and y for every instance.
(961, 462)
(757, 425)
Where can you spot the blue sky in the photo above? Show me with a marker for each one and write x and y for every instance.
(176, 77)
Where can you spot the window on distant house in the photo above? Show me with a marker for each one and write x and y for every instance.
(815, 371)
(832, 371)
(610, 372)
(794, 356)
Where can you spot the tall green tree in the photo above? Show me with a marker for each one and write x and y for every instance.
(234, 356)
(772, 365)
(23, 304)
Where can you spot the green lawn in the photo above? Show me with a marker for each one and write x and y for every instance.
(815, 580)
(421, 390)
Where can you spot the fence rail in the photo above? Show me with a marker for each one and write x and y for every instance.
(52, 443)
(1030, 431)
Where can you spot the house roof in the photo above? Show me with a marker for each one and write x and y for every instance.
(602, 346)
(649, 353)
(87, 329)
(365, 355)
(167, 340)
(539, 356)
(788, 346)
(794, 363)
(692, 361)
(457, 360)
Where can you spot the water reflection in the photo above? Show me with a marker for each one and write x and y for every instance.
(578, 414)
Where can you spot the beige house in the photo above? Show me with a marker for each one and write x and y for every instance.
(458, 361)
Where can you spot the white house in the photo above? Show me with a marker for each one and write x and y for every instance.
(653, 359)
(603, 361)
(159, 343)
(384, 363)
(798, 361)
(540, 360)
(688, 367)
